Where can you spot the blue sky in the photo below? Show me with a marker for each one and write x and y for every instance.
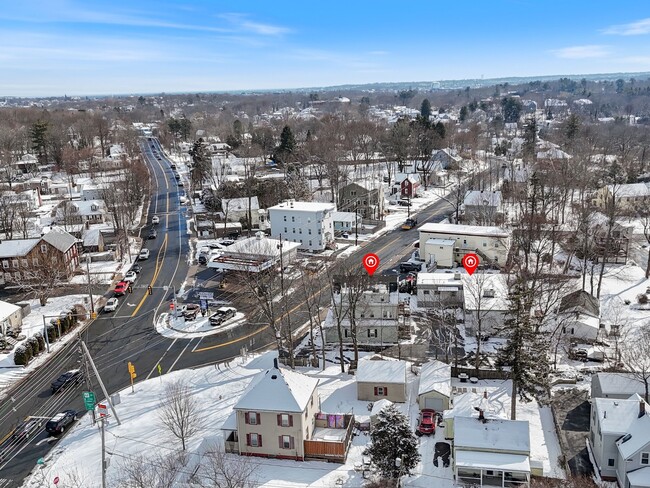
(56, 47)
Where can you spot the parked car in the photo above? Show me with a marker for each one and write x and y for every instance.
(408, 267)
(427, 424)
(221, 315)
(111, 305)
(144, 254)
(180, 183)
(130, 276)
(61, 421)
(172, 166)
(24, 429)
(136, 268)
(121, 288)
(155, 219)
(67, 379)
(152, 234)
(404, 203)
(203, 259)
(190, 310)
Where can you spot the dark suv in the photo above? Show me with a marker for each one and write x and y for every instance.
(221, 315)
(61, 421)
(72, 377)
(408, 267)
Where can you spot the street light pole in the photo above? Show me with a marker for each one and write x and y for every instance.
(90, 290)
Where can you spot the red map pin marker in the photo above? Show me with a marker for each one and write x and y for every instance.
(371, 263)
(470, 263)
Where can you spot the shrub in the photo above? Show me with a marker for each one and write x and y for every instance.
(642, 298)
(41, 341)
(20, 356)
(52, 333)
(33, 343)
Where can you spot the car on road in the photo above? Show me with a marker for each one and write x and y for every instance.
(404, 203)
(176, 175)
(427, 423)
(222, 315)
(155, 219)
(121, 288)
(111, 305)
(130, 276)
(67, 379)
(408, 267)
(61, 421)
(226, 242)
(136, 268)
(409, 224)
(24, 429)
(144, 254)
(190, 310)
(180, 183)
(172, 166)
(152, 234)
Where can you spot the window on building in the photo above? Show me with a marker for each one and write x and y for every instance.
(611, 462)
(5, 264)
(353, 193)
(426, 292)
(14, 263)
(309, 231)
(293, 230)
(318, 231)
(381, 391)
(346, 332)
(252, 418)
(285, 420)
(285, 230)
(645, 458)
(286, 442)
(254, 440)
(309, 243)
(485, 244)
(24, 263)
(293, 219)
(300, 231)
(372, 332)
(285, 218)
(35, 261)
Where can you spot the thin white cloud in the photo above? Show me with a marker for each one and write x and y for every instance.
(638, 28)
(582, 52)
(241, 22)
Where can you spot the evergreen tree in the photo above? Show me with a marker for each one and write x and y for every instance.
(39, 133)
(201, 164)
(285, 150)
(392, 438)
(525, 350)
(425, 109)
(529, 148)
(512, 108)
(463, 113)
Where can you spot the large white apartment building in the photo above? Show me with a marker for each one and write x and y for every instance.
(309, 224)
(446, 244)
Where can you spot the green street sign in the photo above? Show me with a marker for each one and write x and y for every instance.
(89, 400)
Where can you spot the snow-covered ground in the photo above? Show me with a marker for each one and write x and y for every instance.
(178, 328)
(217, 388)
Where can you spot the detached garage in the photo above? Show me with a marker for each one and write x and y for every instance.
(378, 379)
(434, 390)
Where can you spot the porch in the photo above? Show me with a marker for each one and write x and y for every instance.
(331, 438)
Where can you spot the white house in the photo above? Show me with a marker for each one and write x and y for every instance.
(307, 223)
(616, 385)
(439, 290)
(236, 209)
(485, 298)
(619, 434)
(11, 317)
(482, 207)
(579, 315)
(254, 254)
(434, 389)
(491, 452)
(490, 243)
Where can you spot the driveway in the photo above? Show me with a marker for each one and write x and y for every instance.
(572, 410)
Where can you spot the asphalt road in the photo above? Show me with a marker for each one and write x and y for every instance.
(129, 335)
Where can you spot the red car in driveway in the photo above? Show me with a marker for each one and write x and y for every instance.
(427, 425)
(120, 288)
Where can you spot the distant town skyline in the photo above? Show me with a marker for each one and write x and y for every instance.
(57, 47)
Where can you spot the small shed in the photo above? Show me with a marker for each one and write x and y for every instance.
(434, 390)
(11, 317)
(379, 379)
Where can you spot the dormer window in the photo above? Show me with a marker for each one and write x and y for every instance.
(94, 208)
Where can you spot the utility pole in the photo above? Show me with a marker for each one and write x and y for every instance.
(47, 339)
(356, 223)
(99, 380)
(90, 290)
(101, 428)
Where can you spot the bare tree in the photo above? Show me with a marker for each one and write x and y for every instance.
(310, 289)
(161, 471)
(478, 287)
(635, 352)
(339, 313)
(179, 412)
(44, 273)
(221, 470)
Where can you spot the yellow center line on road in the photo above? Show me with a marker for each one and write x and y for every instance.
(159, 261)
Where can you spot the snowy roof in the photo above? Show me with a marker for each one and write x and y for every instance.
(16, 247)
(239, 204)
(438, 279)
(480, 283)
(435, 376)
(278, 390)
(59, 239)
(639, 430)
(304, 206)
(6, 309)
(499, 434)
(615, 416)
(617, 384)
(345, 217)
(91, 237)
(630, 190)
(262, 246)
(461, 230)
(640, 477)
(378, 406)
(492, 460)
(231, 422)
(465, 405)
(582, 302)
(380, 371)
(483, 198)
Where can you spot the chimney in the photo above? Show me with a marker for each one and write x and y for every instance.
(481, 417)
(641, 408)
(485, 394)
(275, 363)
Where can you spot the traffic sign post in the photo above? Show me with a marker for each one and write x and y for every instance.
(102, 410)
(132, 375)
(89, 400)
